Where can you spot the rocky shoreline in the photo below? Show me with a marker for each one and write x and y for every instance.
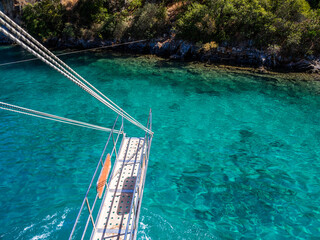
(234, 56)
(179, 50)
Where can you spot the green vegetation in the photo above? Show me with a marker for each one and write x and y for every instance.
(149, 21)
(45, 19)
(288, 26)
(107, 19)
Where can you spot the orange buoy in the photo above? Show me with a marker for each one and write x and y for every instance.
(104, 176)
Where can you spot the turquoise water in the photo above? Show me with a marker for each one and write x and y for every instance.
(234, 156)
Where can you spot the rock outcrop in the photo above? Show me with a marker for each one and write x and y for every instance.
(182, 50)
(303, 65)
(179, 50)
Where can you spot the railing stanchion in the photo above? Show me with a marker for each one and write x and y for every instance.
(90, 213)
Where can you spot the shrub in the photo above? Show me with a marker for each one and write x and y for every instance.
(196, 24)
(115, 26)
(274, 49)
(220, 20)
(292, 25)
(44, 19)
(115, 5)
(314, 3)
(209, 46)
(88, 12)
(134, 4)
(149, 21)
(68, 31)
(120, 28)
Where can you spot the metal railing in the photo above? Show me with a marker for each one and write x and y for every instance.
(139, 185)
(131, 230)
(99, 165)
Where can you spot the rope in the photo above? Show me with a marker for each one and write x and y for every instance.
(74, 52)
(21, 61)
(52, 61)
(34, 113)
(96, 48)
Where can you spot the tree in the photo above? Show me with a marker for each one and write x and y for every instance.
(44, 19)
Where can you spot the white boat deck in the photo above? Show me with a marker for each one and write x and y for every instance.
(113, 218)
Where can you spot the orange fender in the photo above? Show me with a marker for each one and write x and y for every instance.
(104, 176)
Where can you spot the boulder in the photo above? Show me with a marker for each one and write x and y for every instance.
(92, 43)
(152, 46)
(302, 66)
(262, 59)
(51, 42)
(162, 49)
(204, 57)
(165, 48)
(194, 51)
(71, 43)
(174, 46)
(315, 64)
(139, 47)
(310, 66)
(184, 49)
(83, 43)
(156, 49)
(214, 59)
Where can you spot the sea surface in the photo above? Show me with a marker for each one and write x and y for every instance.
(234, 156)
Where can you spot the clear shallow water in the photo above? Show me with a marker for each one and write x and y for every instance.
(234, 156)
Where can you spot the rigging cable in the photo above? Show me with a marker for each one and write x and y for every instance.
(34, 113)
(35, 47)
(50, 59)
(56, 65)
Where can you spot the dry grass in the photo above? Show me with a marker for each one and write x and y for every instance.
(69, 3)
